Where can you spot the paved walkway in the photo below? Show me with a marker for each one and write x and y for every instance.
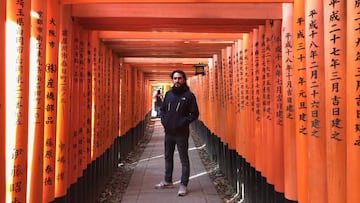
(150, 171)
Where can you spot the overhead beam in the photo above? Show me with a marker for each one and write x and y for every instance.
(157, 60)
(258, 10)
(147, 24)
(205, 37)
(173, 1)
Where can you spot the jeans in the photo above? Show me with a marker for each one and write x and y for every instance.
(157, 109)
(182, 143)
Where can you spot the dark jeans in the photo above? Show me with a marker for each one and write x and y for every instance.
(182, 142)
(157, 109)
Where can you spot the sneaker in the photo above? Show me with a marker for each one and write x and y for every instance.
(164, 184)
(182, 190)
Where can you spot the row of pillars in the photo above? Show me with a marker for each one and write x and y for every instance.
(69, 108)
(285, 100)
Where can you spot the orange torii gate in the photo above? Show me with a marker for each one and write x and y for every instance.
(2, 101)
(299, 145)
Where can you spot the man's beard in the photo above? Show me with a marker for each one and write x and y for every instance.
(180, 89)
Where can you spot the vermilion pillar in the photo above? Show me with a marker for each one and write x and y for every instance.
(241, 108)
(83, 38)
(63, 103)
(117, 96)
(260, 74)
(205, 98)
(122, 99)
(50, 109)
(100, 104)
(236, 82)
(335, 102)
(2, 100)
(245, 96)
(289, 119)
(353, 102)
(74, 106)
(268, 101)
(230, 114)
(300, 103)
(257, 100)
(316, 123)
(108, 100)
(88, 72)
(278, 161)
(95, 96)
(249, 102)
(223, 96)
(120, 110)
(212, 83)
(216, 95)
(36, 101)
(17, 35)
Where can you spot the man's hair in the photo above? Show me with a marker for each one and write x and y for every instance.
(178, 71)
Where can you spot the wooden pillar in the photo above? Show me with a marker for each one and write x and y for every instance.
(278, 162)
(116, 97)
(289, 119)
(51, 83)
(122, 98)
(269, 101)
(238, 98)
(300, 102)
(212, 82)
(36, 101)
(63, 104)
(83, 39)
(108, 101)
(74, 106)
(120, 122)
(249, 116)
(335, 101)
(223, 96)
(257, 100)
(88, 70)
(314, 36)
(216, 95)
(16, 98)
(94, 94)
(101, 102)
(353, 102)
(235, 93)
(246, 97)
(262, 98)
(206, 99)
(2, 101)
(230, 108)
(103, 99)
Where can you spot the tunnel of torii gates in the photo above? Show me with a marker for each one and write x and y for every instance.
(283, 103)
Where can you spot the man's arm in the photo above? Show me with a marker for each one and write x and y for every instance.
(193, 109)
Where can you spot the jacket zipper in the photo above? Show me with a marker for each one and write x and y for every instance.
(169, 106)
(178, 105)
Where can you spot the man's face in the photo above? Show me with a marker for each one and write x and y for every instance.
(178, 79)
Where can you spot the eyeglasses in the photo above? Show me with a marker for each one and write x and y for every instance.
(177, 78)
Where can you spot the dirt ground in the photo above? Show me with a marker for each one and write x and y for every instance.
(116, 187)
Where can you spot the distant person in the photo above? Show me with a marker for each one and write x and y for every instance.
(158, 102)
(178, 110)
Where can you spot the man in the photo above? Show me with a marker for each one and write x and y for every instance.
(178, 110)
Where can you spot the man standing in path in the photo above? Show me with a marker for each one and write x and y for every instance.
(178, 110)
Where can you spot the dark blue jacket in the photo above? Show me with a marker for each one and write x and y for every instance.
(178, 110)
